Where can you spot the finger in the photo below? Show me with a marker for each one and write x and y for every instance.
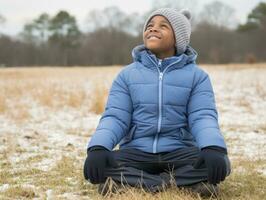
(95, 175)
(90, 175)
(223, 174)
(214, 175)
(219, 175)
(85, 170)
(85, 174)
(101, 175)
(210, 174)
(198, 162)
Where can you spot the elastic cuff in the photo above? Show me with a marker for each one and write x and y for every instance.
(95, 148)
(216, 148)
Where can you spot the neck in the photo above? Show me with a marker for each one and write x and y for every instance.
(164, 55)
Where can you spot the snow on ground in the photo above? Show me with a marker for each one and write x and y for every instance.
(240, 97)
(50, 133)
(241, 102)
(62, 129)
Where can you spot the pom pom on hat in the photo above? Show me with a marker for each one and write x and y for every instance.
(187, 13)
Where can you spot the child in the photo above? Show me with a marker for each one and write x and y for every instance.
(161, 111)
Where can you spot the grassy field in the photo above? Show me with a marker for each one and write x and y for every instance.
(48, 114)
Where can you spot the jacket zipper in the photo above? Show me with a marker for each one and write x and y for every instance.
(154, 146)
(155, 142)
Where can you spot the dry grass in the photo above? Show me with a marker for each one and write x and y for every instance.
(3, 103)
(47, 115)
(235, 66)
(65, 181)
(53, 88)
(19, 192)
(246, 105)
(99, 98)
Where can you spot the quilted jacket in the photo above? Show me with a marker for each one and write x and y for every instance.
(159, 105)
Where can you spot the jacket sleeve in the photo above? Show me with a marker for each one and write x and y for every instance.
(202, 113)
(115, 121)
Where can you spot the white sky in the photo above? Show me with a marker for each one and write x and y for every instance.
(19, 12)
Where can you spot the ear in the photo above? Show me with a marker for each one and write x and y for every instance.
(187, 13)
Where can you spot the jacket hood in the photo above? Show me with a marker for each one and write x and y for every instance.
(143, 55)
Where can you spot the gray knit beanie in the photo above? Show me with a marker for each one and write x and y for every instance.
(180, 22)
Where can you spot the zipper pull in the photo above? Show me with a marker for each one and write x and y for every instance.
(160, 76)
(160, 62)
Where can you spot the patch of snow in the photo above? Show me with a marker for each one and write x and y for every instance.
(49, 194)
(252, 145)
(4, 187)
(262, 171)
(46, 164)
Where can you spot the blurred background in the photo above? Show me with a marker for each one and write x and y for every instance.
(103, 32)
(48, 111)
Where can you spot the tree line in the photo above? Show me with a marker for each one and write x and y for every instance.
(58, 41)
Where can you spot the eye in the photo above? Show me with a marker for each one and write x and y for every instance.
(149, 25)
(164, 26)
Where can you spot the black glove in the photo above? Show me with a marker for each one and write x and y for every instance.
(98, 158)
(214, 159)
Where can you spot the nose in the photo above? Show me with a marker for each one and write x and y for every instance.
(153, 29)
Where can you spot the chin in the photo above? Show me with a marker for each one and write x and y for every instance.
(153, 48)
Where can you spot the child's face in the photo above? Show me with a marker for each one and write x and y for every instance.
(159, 37)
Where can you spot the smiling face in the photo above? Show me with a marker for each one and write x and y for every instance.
(159, 37)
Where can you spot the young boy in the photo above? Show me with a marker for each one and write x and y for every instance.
(161, 111)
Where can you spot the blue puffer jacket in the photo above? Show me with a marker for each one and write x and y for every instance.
(159, 106)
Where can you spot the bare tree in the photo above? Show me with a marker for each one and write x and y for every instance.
(178, 4)
(57, 40)
(110, 17)
(113, 18)
(2, 19)
(218, 14)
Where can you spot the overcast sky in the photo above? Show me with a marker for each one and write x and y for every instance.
(19, 12)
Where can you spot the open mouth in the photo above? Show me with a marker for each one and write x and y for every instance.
(153, 37)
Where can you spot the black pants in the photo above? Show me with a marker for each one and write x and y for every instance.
(137, 168)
